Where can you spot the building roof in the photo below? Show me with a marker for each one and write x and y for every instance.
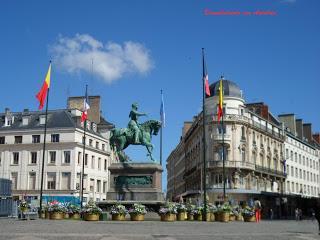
(230, 88)
(61, 118)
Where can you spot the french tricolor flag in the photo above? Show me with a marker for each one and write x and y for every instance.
(86, 106)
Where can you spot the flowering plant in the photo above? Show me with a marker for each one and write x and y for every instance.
(198, 210)
(72, 209)
(224, 208)
(138, 209)
(181, 208)
(212, 208)
(56, 207)
(168, 208)
(91, 208)
(23, 206)
(236, 210)
(190, 209)
(248, 211)
(118, 209)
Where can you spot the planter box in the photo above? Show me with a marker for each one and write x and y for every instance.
(47, 215)
(190, 217)
(91, 217)
(181, 216)
(224, 217)
(137, 217)
(43, 215)
(169, 217)
(239, 218)
(212, 217)
(118, 217)
(66, 216)
(232, 218)
(75, 216)
(198, 217)
(56, 216)
(249, 218)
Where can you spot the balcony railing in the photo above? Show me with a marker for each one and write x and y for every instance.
(218, 137)
(231, 164)
(270, 171)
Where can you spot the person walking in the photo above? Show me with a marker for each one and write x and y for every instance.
(296, 213)
(257, 209)
(271, 214)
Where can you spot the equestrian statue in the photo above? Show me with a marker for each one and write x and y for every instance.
(135, 134)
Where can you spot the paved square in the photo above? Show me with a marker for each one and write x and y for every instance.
(109, 230)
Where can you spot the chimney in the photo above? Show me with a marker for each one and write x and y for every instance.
(186, 127)
(299, 128)
(94, 102)
(316, 137)
(307, 132)
(289, 121)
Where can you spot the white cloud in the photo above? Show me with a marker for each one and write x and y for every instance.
(110, 61)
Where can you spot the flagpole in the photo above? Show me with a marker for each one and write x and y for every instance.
(204, 140)
(44, 149)
(84, 150)
(161, 114)
(223, 153)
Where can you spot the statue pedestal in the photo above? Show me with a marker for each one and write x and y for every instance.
(139, 182)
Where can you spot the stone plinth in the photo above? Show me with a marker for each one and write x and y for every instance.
(135, 182)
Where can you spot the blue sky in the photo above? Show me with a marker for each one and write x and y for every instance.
(153, 45)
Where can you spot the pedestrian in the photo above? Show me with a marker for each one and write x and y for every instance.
(296, 212)
(257, 209)
(271, 214)
(300, 214)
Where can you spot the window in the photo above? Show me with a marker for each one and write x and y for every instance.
(103, 147)
(99, 163)
(98, 186)
(243, 155)
(79, 158)
(2, 140)
(32, 180)
(291, 155)
(92, 162)
(105, 164)
(17, 139)
(295, 157)
(91, 184)
(292, 172)
(65, 181)
(300, 173)
(220, 129)
(299, 158)
(67, 157)
(222, 154)
(243, 134)
(0, 158)
(42, 119)
(97, 145)
(52, 159)
(51, 180)
(104, 187)
(297, 173)
(35, 138)
(86, 159)
(90, 142)
(55, 137)
(33, 158)
(14, 179)
(15, 158)
(292, 187)
(287, 153)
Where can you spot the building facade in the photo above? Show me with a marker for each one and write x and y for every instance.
(254, 148)
(21, 151)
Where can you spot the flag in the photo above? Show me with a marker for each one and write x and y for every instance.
(220, 106)
(86, 106)
(162, 112)
(205, 76)
(42, 94)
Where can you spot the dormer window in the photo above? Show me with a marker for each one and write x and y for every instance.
(94, 127)
(9, 121)
(42, 119)
(25, 121)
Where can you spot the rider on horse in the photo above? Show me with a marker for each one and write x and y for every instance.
(133, 124)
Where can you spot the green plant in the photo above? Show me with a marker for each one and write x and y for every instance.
(169, 207)
(118, 209)
(248, 211)
(181, 208)
(138, 209)
(91, 208)
(224, 208)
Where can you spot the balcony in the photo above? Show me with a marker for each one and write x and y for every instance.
(270, 171)
(231, 164)
(218, 137)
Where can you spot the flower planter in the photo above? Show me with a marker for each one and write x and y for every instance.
(190, 217)
(91, 217)
(198, 217)
(169, 217)
(224, 217)
(239, 218)
(47, 215)
(75, 216)
(249, 218)
(208, 217)
(42, 215)
(232, 218)
(212, 217)
(118, 217)
(137, 217)
(217, 216)
(56, 215)
(66, 216)
(181, 216)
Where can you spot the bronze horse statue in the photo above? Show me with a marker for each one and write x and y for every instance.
(121, 138)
